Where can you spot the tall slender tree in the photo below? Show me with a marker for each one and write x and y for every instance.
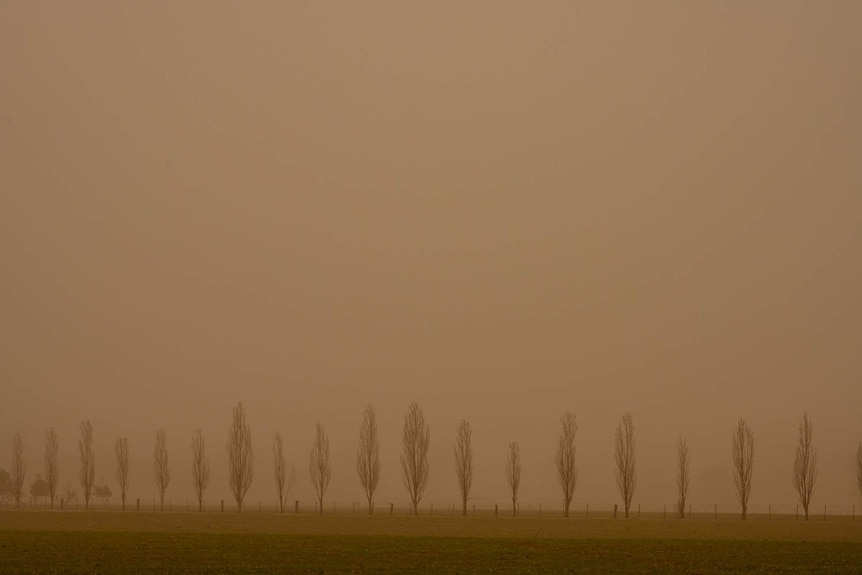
(743, 462)
(87, 474)
(19, 468)
(51, 468)
(416, 440)
(624, 456)
(805, 463)
(683, 476)
(319, 466)
(161, 469)
(283, 480)
(200, 467)
(464, 461)
(564, 458)
(513, 474)
(368, 455)
(121, 471)
(240, 456)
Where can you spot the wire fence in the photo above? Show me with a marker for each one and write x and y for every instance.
(576, 510)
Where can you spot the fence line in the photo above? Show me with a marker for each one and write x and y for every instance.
(580, 510)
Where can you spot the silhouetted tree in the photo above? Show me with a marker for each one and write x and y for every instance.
(5, 485)
(51, 469)
(240, 456)
(318, 464)
(564, 458)
(805, 463)
(743, 459)
(513, 474)
(283, 480)
(87, 475)
(161, 469)
(624, 456)
(859, 466)
(102, 491)
(415, 441)
(683, 459)
(121, 472)
(19, 468)
(464, 461)
(200, 467)
(368, 455)
(39, 488)
(68, 492)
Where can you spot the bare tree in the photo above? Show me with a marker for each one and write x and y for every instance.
(567, 472)
(513, 474)
(52, 470)
(200, 467)
(414, 461)
(68, 493)
(805, 463)
(319, 466)
(683, 460)
(87, 475)
(859, 466)
(19, 468)
(240, 456)
(161, 469)
(121, 472)
(283, 481)
(464, 461)
(624, 456)
(743, 459)
(368, 455)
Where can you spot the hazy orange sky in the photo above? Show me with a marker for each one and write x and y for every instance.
(502, 210)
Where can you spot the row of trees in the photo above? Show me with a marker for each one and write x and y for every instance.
(416, 439)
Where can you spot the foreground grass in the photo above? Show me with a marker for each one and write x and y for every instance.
(131, 552)
(117, 542)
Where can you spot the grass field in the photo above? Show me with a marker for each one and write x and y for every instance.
(110, 542)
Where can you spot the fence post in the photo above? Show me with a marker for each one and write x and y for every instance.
(824, 511)
(797, 513)
(496, 514)
(540, 509)
(639, 510)
(615, 510)
(715, 511)
(296, 506)
(588, 510)
(853, 517)
(391, 509)
(770, 511)
(170, 504)
(222, 505)
(432, 510)
(664, 513)
(689, 510)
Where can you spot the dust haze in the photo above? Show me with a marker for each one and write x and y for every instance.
(499, 210)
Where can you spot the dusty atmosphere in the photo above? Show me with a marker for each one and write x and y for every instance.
(500, 210)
